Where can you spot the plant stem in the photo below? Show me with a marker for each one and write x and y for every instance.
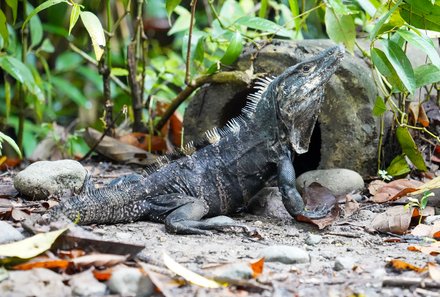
(21, 95)
(188, 52)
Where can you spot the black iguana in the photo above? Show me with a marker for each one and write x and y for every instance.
(220, 177)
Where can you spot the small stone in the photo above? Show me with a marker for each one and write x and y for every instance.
(85, 284)
(285, 254)
(123, 236)
(240, 270)
(437, 259)
(44, 178)
(340, 181)
(9, 233)
(130, 282)
(34, 282)
(313, 239)
(342, 263)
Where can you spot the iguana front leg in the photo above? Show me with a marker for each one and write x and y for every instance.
(292, 200)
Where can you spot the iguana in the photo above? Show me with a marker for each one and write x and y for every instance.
(220, 176)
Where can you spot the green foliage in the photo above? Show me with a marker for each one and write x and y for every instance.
(57, 68)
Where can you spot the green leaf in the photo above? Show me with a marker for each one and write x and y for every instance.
(119, 71)
(170, 6)
(35, 27)
(4, 29)
(70, 91)
(74, 15)
(409, 148)
(340, 28)
(339, 8)
(32, 246)
(182, 22)
(425, 44)
(382, 20)
(199, 51)
(96, 33)
(398, 166)
(384, 66)
(421, 14)
(379, 107)
(4, 137)
(263, 9)
(230, 12)
(401, 64)
(426, 74)
(294, 8)
(21, 73)
(233, 50)
(263, 25)
(369, 6)
(41, 7)
(13, 4)
(47, 46)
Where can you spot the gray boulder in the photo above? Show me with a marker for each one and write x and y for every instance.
(347, 133)
(338, 180)
(44, 178)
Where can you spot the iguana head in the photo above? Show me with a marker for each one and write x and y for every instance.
(299, 94)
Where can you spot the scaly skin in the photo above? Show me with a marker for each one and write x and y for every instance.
(221, 177)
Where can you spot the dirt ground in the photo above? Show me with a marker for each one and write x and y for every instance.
(345, 238)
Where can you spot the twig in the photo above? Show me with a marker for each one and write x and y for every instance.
(107, 129)
(221, 77)
(344, 234)
(135, 91)
(188, 52)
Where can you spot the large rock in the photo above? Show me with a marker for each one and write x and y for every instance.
(346, 134)
(44, 178)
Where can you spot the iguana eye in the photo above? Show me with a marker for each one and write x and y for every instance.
(306, 68)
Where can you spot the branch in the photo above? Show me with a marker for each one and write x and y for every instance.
(238, 77)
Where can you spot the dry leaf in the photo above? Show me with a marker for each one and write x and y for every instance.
(434, 271)
(432, 249)
(106, 260)
(103, 275)
(432, 184)
(400, 266)
(143, 141)
(395, 220)
(396, 189)
(187, 274)
(117, 150)
(418, 113)
(257, 267)
(351, 206)
(19, 215)
(32, 246)
(375, 186)
(423, 230)
(43, 263)
(318, 197)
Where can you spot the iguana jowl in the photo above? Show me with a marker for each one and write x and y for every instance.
(220, 177)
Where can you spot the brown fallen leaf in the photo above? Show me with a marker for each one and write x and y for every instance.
(418, 113)
(319, 197)
(7, 191)
(143, 141)
(399, 266)
(432, 184)
(396, 189)
(351, 206)
(43, 262)
(106, 260)
(117, 150)
(19, 215)
(375, 186)
(432, 249)
(395, 220)
(434, 271)
(103, 275)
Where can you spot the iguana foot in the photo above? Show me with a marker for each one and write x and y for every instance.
(317, 213)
